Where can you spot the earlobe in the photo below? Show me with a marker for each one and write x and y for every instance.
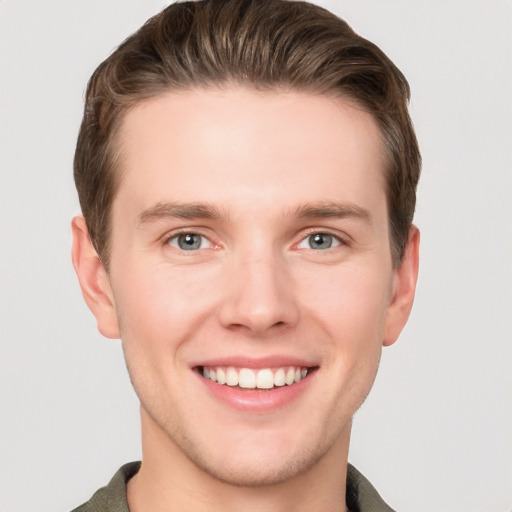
(404, 289)
(93, 279)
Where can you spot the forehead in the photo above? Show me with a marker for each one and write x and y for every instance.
(269, 147)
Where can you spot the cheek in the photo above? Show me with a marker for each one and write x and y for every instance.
(350, 302)
(158, 313)
(163, 306)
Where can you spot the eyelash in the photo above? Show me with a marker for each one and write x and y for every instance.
(341, 239)
(184, 233)
(338, 241)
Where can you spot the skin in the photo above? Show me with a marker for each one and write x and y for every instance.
(270, 170)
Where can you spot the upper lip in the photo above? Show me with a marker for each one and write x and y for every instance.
(256, 362)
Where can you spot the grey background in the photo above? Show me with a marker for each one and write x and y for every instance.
(435, 434)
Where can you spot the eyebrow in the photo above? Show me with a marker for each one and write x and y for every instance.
(179, 211)
(332, 210)
(191, 211)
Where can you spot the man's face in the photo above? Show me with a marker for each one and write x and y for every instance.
(250, 244)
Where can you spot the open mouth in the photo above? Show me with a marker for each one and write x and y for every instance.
(260, 379)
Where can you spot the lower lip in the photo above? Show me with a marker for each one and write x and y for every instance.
(256, 400)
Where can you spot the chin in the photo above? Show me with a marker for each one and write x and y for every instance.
(255, 457)
(256, 469)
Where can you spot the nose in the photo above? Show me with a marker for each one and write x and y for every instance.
(259, 296)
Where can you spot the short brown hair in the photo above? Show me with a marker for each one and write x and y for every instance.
(264, 44)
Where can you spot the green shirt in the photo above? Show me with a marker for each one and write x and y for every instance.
(361, 496)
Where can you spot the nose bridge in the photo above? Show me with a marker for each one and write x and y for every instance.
(260, 292)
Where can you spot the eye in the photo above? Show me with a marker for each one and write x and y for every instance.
(190, 242)
(319, 242)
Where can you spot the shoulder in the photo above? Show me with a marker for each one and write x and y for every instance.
(112, 497)
(361, 496)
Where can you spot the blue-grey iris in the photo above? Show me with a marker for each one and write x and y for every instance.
(320, 241)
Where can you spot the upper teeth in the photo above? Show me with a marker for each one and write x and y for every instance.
(266, 378)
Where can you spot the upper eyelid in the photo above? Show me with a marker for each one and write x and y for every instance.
(342, 237)
(169, 235)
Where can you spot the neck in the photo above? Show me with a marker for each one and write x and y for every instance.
(168, 479)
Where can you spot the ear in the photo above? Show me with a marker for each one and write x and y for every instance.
(404, 287)
(93, 279)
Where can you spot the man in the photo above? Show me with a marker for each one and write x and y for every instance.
(247, 174)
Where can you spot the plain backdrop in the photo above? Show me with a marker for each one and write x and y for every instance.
(436, 432)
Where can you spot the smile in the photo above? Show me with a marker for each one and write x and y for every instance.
(247, 378)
